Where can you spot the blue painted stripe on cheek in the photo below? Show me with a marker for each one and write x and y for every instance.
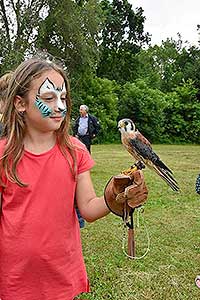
(45, 110)
(64, 112)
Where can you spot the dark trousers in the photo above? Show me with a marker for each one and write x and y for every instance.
(86, 140)
(80, 218)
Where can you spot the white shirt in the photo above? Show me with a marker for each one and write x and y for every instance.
(83, 125)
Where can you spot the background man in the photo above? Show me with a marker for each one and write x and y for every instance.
(86, 127)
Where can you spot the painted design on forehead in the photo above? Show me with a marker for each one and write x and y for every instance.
(48, 86)
(45, 110)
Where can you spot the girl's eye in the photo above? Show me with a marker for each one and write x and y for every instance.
(48, 99)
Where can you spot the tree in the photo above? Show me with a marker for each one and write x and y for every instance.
(158, 65)
(182, 114)
(145, 107)
(188, 63)
(101, 97)
(122, 37)
(71, 33)
(19, 21)
(169, 65)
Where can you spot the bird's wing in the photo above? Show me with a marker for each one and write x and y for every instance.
(141, 149)
(139, 136)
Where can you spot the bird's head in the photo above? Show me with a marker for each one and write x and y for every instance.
(126, 125)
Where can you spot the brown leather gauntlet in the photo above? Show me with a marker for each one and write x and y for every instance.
(124, 191)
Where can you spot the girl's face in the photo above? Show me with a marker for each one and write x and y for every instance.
(45, 103)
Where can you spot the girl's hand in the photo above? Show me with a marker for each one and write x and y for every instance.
(124, 190)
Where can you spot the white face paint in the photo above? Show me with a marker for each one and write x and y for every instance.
(48, 87)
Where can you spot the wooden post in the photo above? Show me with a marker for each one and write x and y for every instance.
(131, 237)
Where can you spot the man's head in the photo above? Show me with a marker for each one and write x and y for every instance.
(83, 110)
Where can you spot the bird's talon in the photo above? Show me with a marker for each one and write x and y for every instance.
(130, 171)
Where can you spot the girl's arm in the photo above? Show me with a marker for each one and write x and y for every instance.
(120, 191)
(91, 207)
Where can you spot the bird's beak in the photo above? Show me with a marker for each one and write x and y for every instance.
(120, 125)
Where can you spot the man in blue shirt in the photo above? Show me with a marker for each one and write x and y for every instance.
(86, 127)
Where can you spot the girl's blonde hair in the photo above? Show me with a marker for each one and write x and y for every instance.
(15, 126)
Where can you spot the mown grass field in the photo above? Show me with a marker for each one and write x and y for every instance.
(172, 220)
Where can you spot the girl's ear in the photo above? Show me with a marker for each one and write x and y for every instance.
(19, 104)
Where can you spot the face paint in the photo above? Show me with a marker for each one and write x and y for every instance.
(45, 110)
(49, 87)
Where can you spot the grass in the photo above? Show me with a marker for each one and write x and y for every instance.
(172, 220)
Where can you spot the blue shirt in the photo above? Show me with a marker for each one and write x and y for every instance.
(83, 125)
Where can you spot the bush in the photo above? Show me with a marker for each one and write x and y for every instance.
(101, 98)
(145, 107)
(182, 114)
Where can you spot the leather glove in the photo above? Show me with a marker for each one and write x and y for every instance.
(124, 191)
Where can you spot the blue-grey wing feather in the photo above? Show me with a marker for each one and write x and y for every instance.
(146, 152)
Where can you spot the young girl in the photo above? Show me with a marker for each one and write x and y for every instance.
(42, 169)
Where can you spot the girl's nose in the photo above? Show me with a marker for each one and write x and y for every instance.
(59, 106)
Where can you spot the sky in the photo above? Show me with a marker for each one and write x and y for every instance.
(165, 18)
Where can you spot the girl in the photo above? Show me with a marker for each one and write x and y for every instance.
(42, 170)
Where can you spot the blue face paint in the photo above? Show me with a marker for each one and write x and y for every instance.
(45, 110)
(57, 92)
(64, 112)
(49, 87)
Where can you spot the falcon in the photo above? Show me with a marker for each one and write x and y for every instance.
(140, 148)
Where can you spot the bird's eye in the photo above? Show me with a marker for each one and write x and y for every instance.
(126, 123)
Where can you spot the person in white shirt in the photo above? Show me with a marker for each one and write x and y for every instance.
(86, 127)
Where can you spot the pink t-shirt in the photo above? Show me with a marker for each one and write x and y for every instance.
(40, 248)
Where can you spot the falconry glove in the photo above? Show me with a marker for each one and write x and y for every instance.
(124, 193)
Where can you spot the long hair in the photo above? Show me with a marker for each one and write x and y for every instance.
(15, 126)
(4, 81)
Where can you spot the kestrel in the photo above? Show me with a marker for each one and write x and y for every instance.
(140, 148)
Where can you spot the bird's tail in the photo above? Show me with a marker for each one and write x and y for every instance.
(167, 177)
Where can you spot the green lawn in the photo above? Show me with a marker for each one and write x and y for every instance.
(171, 219)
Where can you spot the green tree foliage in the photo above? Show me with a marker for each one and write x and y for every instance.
(182, 114)
(71, 33)
(169, 65)
(188, 62)
(122, 37)
(101, 97)
(19, 22)
(145, 107)
(159, 67)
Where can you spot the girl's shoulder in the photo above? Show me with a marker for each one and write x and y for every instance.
(84, 159)
(78, 145)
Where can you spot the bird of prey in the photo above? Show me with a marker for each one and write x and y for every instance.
(140, 148)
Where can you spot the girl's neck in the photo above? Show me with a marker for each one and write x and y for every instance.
(39, 143)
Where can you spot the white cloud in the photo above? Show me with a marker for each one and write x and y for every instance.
(165, 18)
